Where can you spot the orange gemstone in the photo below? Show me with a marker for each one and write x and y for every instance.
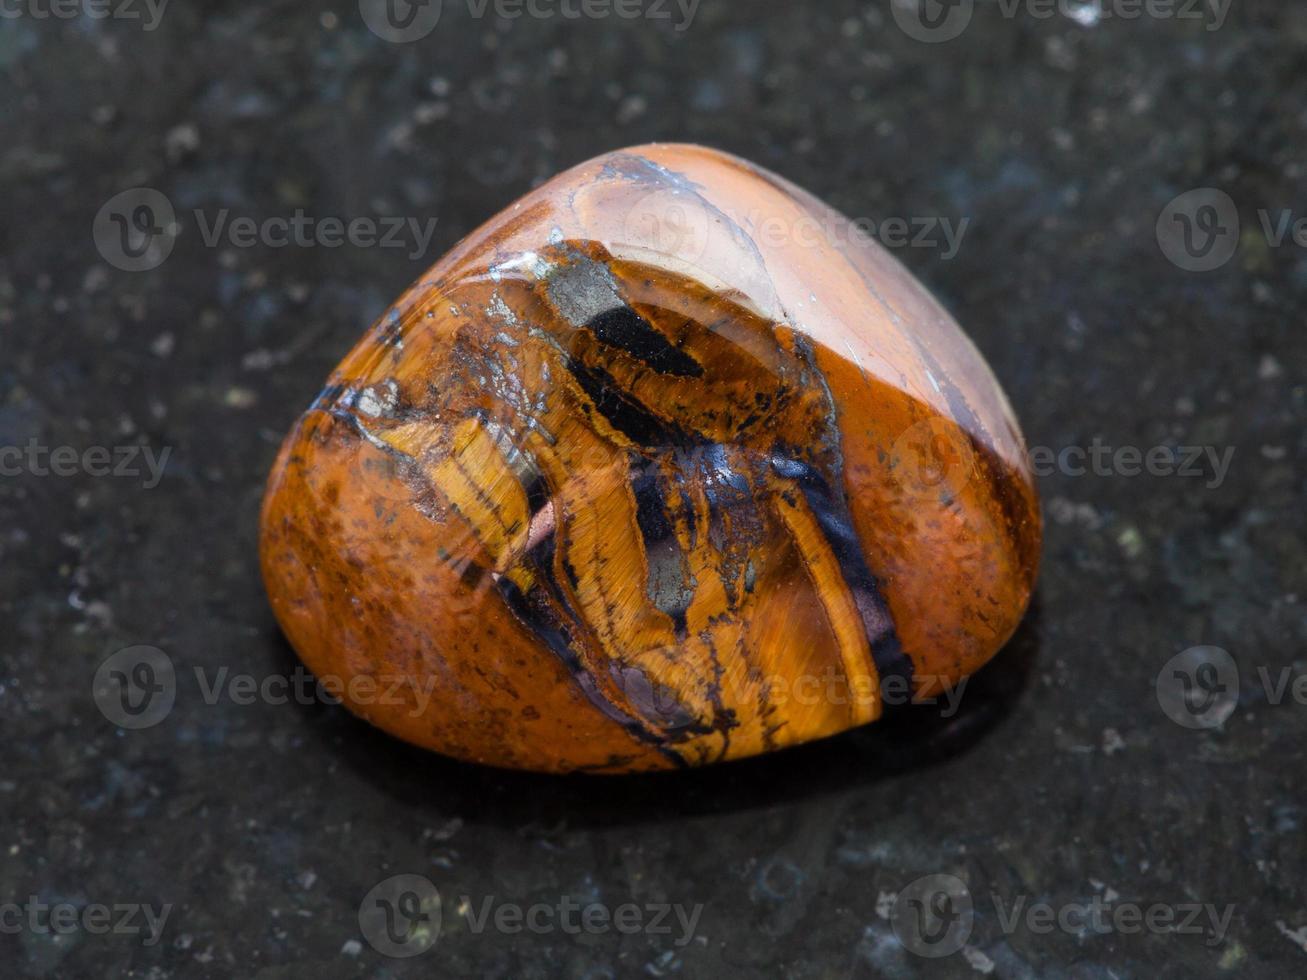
(652, 470)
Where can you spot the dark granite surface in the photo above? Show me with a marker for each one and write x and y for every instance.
(1061, 780)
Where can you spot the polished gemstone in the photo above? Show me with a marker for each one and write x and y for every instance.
(663, 465)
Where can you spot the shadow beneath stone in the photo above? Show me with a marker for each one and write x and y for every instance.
(911, 738)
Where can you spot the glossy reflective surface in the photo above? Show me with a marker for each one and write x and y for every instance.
(659, 467)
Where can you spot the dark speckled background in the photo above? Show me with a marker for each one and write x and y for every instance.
(1061, 139)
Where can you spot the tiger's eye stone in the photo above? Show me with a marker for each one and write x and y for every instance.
(661, 466)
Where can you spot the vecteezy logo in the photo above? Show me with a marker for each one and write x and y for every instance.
(400, 917)
(932, 458)
(932, 21)
(401, 21)
(934, 916)
(669, 223)
(1199, 687)
(1199, 230)
(135, 231)
(135, 688)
